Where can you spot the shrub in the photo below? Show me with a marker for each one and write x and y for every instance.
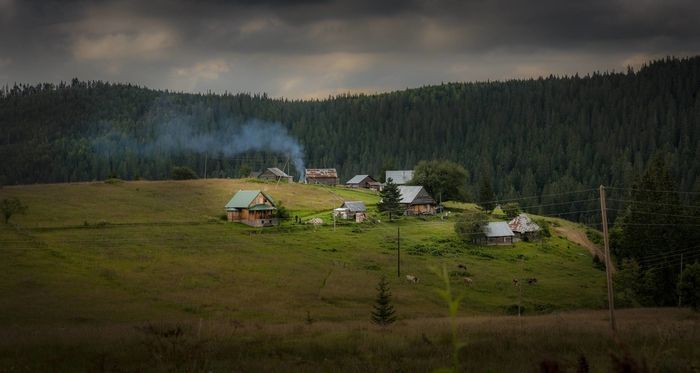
(11, 206)
(183, 173)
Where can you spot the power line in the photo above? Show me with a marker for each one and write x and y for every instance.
(652, 190)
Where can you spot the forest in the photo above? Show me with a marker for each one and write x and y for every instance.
(540, 137)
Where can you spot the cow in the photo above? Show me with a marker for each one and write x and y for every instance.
(412, 278)
(532, 281)
(516, 282)
(462, 266)
(468, 282)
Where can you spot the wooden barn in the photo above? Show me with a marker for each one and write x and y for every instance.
(326, 176)
(252, 207)
(275, 174)
(417, 201)
(351, 210)
(363, 181)
(497, 233)
(524, 228)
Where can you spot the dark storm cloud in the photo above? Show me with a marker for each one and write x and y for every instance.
(319, 47)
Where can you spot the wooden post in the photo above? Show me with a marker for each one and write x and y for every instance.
(206, 155)
(398, 251)
(680, 281)
(608, 264)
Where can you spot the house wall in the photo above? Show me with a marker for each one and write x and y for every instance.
(322, 180)
(506, 240)
(420, 209)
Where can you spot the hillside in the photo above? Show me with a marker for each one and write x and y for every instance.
(530, 137)
(145, 275)
(160, 249)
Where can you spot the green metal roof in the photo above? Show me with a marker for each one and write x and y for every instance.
(244, 198)
(261, 207)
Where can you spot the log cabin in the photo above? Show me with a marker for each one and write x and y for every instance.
(326, 176)
(417, 201)
(252, 207)
(363, 181)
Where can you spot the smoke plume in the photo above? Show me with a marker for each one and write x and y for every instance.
(189, 133)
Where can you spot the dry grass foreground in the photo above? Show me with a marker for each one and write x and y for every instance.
(663, 340)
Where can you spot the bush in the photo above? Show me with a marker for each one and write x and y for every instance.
(689, 286)
(183, 173)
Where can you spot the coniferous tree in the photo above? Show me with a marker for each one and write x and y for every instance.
(390, 199)
(486, 196)
(383, 313)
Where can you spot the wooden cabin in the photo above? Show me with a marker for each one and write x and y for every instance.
(351, 210)
(417, 201)
(524, 228)
(497, 233)
(252, 207)
(363, 181)
(326, 176)
(275, 174)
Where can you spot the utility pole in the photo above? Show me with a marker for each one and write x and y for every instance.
(398, 251)
(608, 264)
(206, 155)
(680, 281)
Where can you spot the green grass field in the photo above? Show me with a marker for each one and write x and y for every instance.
(108, 256)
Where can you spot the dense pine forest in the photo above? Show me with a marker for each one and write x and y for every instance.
(528, 137)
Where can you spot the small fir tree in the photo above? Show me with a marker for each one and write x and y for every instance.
(383, 313)
(391, 198)
(11, 206)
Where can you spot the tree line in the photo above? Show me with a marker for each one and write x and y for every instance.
(537, 137)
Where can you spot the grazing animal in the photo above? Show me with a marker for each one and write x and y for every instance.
(412, 278)
(532, 281)
(468, 281)
(515, 282)
(462, 266)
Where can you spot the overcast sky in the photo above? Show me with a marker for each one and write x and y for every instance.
(314, 48)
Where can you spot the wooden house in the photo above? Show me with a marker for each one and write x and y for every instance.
(275, 174)
(497, 233)
(417, 201)
(327, 176)
(363, 181)
(399, 177)
(524, 228)
(351, 210)
(252, 207)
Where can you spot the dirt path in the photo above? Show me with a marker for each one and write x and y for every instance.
(579, 237)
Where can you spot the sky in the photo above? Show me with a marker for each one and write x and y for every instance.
(316, 48)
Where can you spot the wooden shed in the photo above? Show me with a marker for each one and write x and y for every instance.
(497, 233)
(417, 201)
(252, 207)
(326, 176)
(275, 174)
(351, 210)
(523, 227)
(363, 181)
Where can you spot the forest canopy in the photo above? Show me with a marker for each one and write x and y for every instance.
(537, 137)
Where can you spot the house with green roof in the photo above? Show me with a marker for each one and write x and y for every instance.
(252, 207)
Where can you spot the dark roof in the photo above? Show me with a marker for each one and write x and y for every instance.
(277, 172)
(320, 173)
(354, 206)
(357, 179)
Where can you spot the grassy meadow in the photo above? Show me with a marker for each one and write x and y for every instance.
(93, 272)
